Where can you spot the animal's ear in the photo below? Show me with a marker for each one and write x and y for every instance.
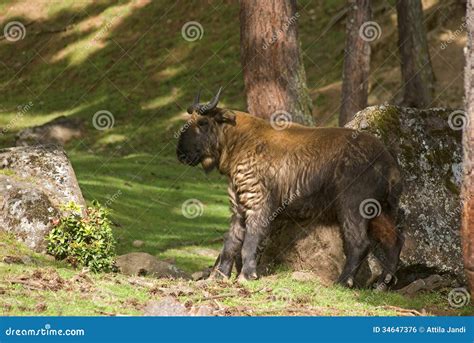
(225, 117)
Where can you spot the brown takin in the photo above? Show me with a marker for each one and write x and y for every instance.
(330, 175)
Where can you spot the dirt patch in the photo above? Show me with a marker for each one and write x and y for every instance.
(48, 279)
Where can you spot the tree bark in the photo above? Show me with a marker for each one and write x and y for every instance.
(417, 72)
(467, 228)
(356, 66)
(274, 76)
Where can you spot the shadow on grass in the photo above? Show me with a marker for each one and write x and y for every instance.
(130, 59)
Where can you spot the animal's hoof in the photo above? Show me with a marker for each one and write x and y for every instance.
(385, 282)
(380, 287)
(346, 282)
(247, 277)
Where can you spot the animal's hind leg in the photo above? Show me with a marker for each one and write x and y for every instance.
(383, 230)
(356, 246)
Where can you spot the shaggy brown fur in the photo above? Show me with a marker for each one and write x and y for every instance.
(304, 174)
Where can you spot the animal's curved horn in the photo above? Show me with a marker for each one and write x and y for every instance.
(213, 103)
(203, 109)
(196, 98)
(195, 104)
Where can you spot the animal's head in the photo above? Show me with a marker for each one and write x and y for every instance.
(200, 138)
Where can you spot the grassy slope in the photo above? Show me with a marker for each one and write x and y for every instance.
(132, 167)
(55, 289)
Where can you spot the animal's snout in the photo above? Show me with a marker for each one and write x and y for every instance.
(181, 156)
(188, 157)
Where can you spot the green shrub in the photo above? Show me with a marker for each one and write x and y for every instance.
(83, 240)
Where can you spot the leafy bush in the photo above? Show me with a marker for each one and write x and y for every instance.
(83, 240)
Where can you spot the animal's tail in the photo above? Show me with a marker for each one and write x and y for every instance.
(386, 228)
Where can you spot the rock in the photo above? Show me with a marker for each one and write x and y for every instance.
(137, 243)
(431, 283)
(318, 249)
(202, 311)
(429, 153)
(201, 275)
(166, 307)
(34, 183)
(169, 306)
(25, 259)
(140, 263)
(58, 131)
(12, 260)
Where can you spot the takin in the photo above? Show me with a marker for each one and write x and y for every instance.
(302, 174)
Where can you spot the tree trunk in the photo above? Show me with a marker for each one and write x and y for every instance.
(274, 76)
(417, 72)
(467, 228)
(356, 59)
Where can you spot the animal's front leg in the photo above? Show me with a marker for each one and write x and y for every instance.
(257, 228)
(231, 250)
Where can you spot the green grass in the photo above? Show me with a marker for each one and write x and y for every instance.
(44, 287)
(131, 167)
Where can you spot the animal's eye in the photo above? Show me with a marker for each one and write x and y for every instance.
(202, 123)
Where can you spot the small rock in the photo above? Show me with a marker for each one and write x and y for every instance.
(165, 308)
(140, 263)
(430, 283)
(201, 275)
(137, 243)
(12, 260)
(202, 311)
(413, 288)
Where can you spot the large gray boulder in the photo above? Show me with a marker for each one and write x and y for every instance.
(34, 183)
(427, 145)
